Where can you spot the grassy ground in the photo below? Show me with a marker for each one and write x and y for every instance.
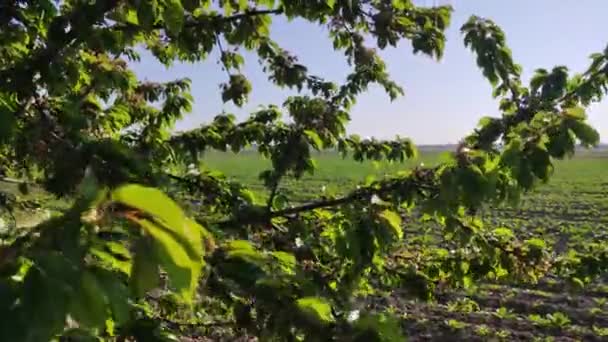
(568, 213)
(28, 211)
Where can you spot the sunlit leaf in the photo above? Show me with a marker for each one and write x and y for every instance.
(394, 222)
(317, 143)
(377, 327)
(316, 309)
(182, 269)
(150, 201)
(575, 113)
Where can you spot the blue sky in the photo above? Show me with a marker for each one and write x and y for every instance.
(443, 100)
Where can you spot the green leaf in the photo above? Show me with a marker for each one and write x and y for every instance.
(243, 264)
(191, 5)
(330, 3)
(173, 15)
(577, 283)
(241, 249)
(286, 261)
(167, 219)
(228, 9)
(7, 119)
(577, 113)
(131, 17)
(117, 294)
(394, 222)
(89, 190)
(379, 327)
(147, 13)
(504, 233)
(315, 309)
(484, 121)
(48, 289)
(88, 306)
(144, 273)
(150, 201)
(587, 135)
(400, 4)
(536, 243)
(316, 141)
(112, 258)
(182, 269)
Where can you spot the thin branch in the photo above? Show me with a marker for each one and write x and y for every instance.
(358, 195)
(250, 13)
(218, 40)
(320, 204)
(15, 181)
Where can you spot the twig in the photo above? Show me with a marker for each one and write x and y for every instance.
(320, 204)
(218, 40)
(249, 13)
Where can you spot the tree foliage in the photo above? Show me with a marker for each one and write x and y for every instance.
(75, 119)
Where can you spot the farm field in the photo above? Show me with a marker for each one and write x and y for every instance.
(570, 213)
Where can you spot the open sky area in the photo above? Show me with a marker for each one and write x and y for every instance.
(443, 99)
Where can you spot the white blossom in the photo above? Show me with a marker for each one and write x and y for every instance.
(193, 170)
(353, 315)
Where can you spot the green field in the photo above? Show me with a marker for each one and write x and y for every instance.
(568, 213)
(333, 172)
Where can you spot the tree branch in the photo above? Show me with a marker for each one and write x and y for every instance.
(320, 204)
(250, 13)
(219, 19)
(364, 194)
